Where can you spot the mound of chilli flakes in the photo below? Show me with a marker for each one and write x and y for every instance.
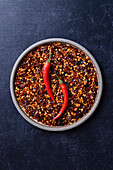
(75, 69)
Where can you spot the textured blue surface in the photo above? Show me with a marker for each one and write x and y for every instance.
(88, 147)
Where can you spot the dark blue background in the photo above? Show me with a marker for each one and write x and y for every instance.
(23, 146)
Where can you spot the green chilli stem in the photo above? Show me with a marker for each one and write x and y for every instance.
(49, 57)
(60, 81)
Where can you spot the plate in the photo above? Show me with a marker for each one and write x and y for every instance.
(57, 128)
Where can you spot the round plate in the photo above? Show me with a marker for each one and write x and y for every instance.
(57, 128)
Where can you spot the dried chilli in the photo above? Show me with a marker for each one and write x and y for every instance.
(66, 97)
(45, 71)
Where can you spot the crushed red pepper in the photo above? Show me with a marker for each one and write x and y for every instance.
(77, 71)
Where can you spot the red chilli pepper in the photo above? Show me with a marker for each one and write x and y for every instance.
(66, 97)
(45, 71)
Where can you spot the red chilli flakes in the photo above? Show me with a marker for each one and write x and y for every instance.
(76, 70)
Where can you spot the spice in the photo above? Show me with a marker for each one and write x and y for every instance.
(78, 77)
(66, 96)
(45, 71)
